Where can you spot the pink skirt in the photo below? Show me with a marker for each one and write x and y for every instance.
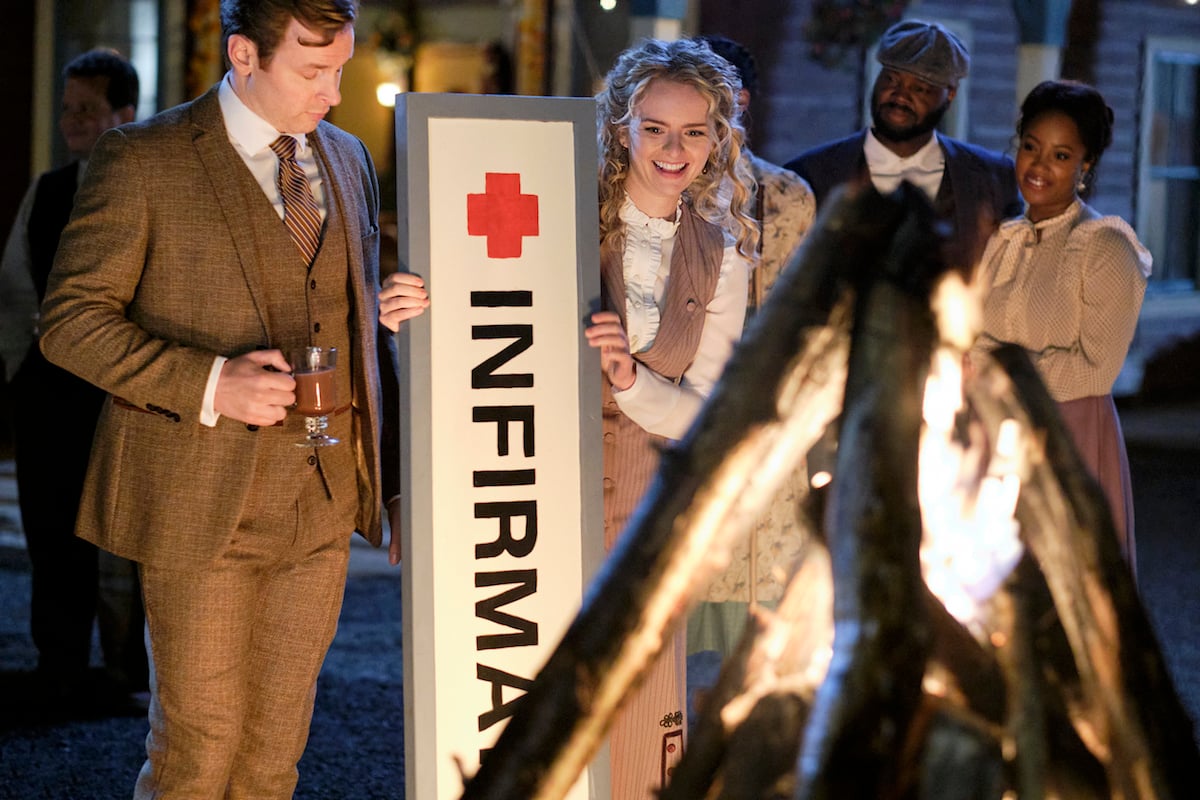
(1096, 429)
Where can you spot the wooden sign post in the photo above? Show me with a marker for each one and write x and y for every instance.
(500, 413)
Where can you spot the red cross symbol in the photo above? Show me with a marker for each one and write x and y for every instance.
(502, 214)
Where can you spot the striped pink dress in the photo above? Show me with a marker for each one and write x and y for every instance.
(647, 737)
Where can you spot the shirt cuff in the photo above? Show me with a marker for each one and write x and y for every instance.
(658, 405)
(634, 390)
(208, 414)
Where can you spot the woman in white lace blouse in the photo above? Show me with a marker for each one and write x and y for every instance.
(1066, 283)
(675, 272)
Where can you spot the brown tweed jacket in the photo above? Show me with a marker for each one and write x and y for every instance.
(160, 270)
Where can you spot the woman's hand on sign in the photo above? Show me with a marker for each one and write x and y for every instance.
(402, 297)
(607, 334)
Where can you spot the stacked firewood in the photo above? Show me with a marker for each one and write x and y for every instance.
(861, 684)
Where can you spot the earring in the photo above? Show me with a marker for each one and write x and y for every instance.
(705, 170)
(1079, 187)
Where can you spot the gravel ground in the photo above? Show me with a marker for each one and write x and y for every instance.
(356, 747)
(356, 744)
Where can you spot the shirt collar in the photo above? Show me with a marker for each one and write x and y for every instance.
(247, 129)
(633, 216)
(1068, 215)
(1023, 227)
(883, 161)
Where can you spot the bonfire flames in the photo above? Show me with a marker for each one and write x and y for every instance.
(968, 497)
(961, 624)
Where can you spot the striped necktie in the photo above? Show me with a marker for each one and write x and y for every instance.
(300, 212)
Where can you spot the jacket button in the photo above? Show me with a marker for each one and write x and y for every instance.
(609, 483)
(312, 461)
(251, 427)
(312, 284)
(610, 437)
(691, 305)
(317, 328)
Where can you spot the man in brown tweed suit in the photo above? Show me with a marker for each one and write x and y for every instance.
(178, 289)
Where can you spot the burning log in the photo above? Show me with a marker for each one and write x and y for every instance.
(1044, 753)
(865, 706)
(750, 730)
(1049, 758)
(1119, 692)
(763, 695)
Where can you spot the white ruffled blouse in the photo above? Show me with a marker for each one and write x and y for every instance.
(659, 405)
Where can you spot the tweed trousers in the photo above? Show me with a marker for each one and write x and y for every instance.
(234, 673)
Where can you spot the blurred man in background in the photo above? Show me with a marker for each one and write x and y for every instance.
(74, 582)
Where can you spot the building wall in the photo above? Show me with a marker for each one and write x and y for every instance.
(1123, 26)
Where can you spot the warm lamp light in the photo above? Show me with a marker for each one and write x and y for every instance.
(385, 93)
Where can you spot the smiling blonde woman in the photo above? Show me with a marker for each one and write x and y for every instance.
(675, 271)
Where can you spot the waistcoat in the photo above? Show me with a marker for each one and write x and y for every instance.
(52, 203)
(39, 380)
(959, 244)
(630, 452)
(310, 305)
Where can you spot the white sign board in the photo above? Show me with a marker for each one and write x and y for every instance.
(500, 413)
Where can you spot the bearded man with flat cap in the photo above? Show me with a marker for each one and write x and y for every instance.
(972, 188)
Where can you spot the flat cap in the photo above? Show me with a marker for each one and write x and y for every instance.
(925, 49)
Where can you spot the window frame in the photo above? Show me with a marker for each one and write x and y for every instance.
(1145, 210)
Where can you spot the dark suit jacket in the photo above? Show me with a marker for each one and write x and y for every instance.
(161, 270)
(54, 406)
(982, 183)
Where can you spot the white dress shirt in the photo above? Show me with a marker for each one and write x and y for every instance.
(923, 168)
(251, 137)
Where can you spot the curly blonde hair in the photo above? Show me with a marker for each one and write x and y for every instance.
(692, 63)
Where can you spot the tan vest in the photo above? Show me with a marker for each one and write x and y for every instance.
(630, 453)
(309, 305)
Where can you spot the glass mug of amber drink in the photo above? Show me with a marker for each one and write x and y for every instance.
(313, 368)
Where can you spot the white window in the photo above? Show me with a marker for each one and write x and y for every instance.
(1168, 198)
(143, 52)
